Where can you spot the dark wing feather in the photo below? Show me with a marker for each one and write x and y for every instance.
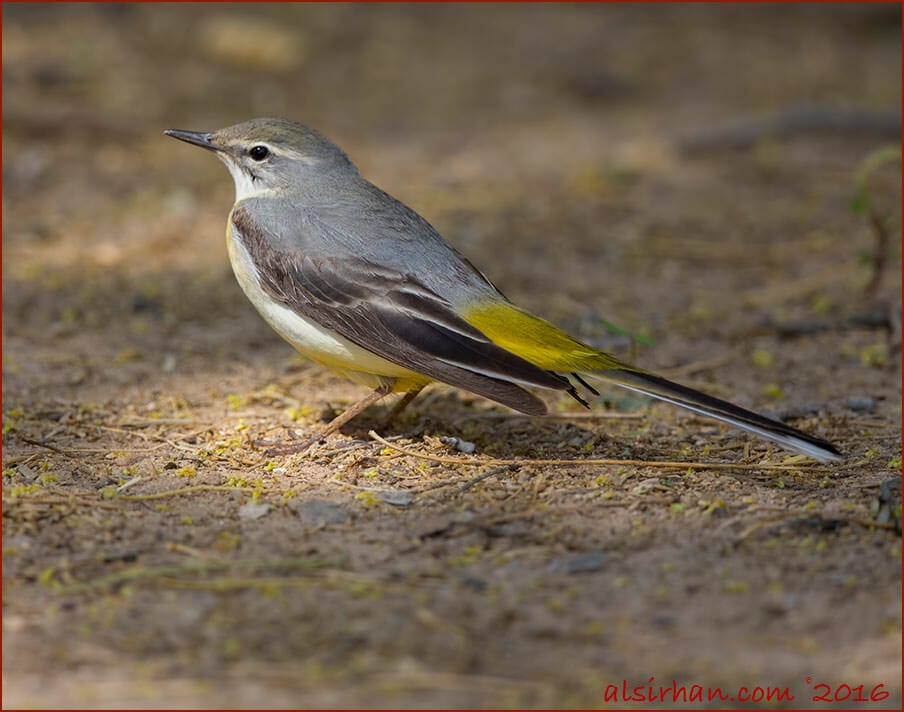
(394, 316)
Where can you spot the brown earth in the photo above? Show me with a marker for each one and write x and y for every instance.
(153, 558)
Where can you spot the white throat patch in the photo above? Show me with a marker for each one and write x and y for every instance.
(245, 187)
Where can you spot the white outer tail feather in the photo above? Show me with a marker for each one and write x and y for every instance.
(788, 441)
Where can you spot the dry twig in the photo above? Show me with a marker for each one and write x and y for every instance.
(663, 464)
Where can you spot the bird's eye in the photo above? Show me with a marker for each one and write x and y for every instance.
(259, 153)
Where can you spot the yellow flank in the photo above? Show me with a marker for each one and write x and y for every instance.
(536, 340)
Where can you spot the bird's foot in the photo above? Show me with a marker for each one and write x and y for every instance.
(336, 423)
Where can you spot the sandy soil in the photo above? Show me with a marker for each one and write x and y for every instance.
(153, 558)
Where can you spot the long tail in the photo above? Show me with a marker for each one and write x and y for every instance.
(658, 387)
(548, 347)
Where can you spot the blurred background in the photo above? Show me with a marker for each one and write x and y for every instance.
(713, 190)
(609, 131)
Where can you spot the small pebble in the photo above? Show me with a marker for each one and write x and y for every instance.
(320, 512)
(861, 404)
(799, 411)
(887, 507)
(20, 541)
(460, 445)
(253, 511)
(397, 498)
(663, 621)
(27, 473)
(475, 584)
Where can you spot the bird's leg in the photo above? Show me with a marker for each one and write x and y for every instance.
(400, 406)
(335, 423)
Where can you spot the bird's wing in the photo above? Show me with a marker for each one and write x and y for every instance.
(391, 314)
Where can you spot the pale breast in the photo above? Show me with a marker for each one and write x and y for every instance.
(310, 339)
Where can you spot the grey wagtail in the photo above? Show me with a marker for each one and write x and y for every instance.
(362, 284)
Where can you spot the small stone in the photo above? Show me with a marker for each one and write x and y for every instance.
(475, 584)
(397, 498)
(663, 621)
(253, 511)
(887, 506)
(20, 542)
(27, 473)
(461, 445)
(320, 512)
(861, 404)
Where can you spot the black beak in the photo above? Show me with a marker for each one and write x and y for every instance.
(204, 140)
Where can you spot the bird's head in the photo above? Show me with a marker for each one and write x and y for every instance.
(270, 156)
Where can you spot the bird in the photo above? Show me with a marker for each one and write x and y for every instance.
(360, 283)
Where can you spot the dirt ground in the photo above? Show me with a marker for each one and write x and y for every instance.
(604, 165)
